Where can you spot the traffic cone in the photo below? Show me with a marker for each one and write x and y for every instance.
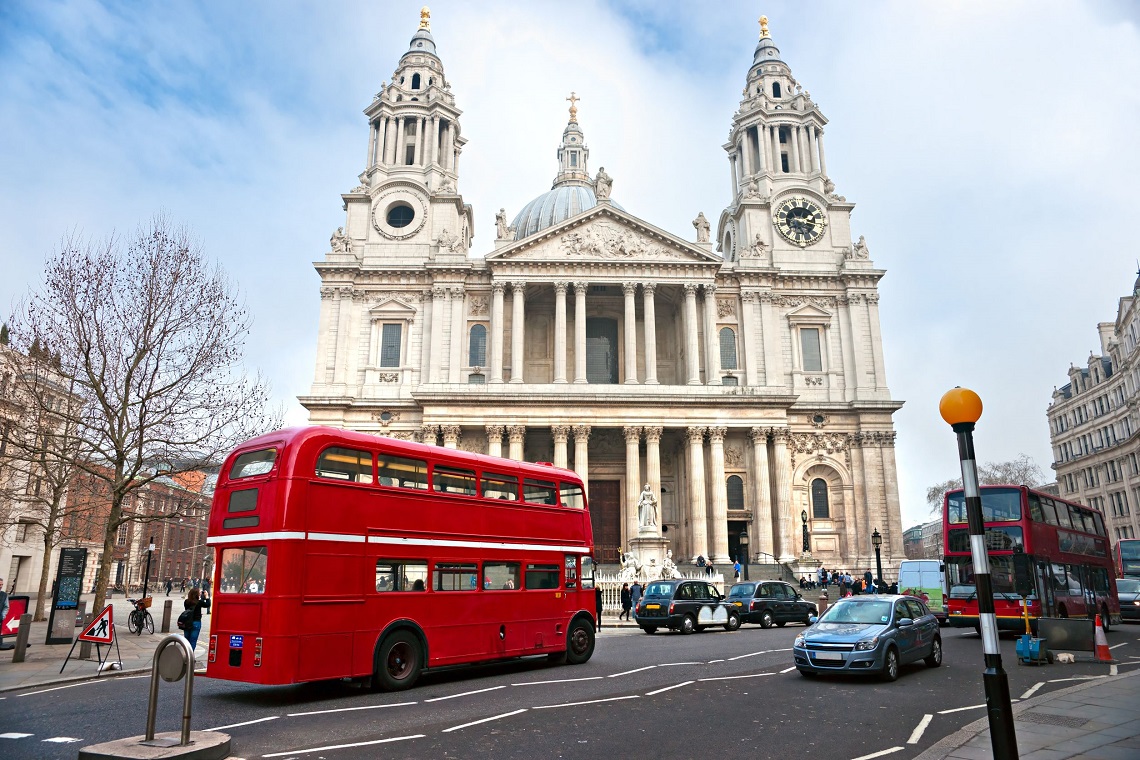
(1102, 653)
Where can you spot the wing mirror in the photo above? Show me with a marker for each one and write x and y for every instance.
(904, 623)
(812, 619)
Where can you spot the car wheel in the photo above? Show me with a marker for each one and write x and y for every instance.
(934, 659)
(650, 629)
(398, 662)
(781, 623)
(733, 623)
(890, 670)
(806, 621)
(766, 619)
(688, 625)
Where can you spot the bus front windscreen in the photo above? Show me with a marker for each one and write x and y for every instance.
(960, 576)
(998, 505)
(1129, 557)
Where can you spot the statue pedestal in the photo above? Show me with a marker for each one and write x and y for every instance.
(807, 565)
(650, 549)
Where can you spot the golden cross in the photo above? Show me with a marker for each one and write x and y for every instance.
(573, 109)
(425, 18)
(764, 27)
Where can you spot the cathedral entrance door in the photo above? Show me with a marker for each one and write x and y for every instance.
(605, 518)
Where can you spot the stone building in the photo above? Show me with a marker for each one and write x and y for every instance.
(1093, 424)
(740, 374)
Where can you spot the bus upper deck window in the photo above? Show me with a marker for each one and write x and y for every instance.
(253, 463)
(572, 496)
(500, 487)
(539, 492)
(401, 472)
(453, 480)
(336, 463)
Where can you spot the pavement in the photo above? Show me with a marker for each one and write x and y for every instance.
(42, 662)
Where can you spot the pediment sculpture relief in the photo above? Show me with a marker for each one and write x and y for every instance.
(608, 241)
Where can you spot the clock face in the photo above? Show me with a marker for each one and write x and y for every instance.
(800, 221)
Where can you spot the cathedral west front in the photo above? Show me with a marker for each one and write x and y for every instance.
(737, 369)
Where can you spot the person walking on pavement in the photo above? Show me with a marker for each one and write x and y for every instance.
(868, 579)
(736, 571)
(169, 586)
(626, 602)
(4, 614)
(598, 605)
(195, 604)
(635, 594)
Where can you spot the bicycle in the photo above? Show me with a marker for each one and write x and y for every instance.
(140, 617)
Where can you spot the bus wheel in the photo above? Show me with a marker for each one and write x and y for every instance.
(398, 662)
(579, 642)
(1062, 612)
(1105, 623)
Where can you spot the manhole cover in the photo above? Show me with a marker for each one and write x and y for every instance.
(1053, 720)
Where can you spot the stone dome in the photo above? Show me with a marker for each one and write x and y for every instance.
(559, 204)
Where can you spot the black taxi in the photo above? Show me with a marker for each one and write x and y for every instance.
(685, 606)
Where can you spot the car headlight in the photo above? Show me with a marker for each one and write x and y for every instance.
(865, 644)
(1137, 602)
(799, 642)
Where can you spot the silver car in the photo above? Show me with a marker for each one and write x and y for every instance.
(874, 633)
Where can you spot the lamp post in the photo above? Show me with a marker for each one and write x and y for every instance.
(803, 517)
(877, 542)
(146, 577)
(961, 408)
(744, 551)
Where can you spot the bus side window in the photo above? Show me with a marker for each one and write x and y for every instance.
(539, 492)
(500, 487)
(501, 575)
(1074, 573)
(401, 575)
(1035, 507)
(1099, 520)
(1100, 580)
(1049, 510)
(336, 463)
(541, 576)
(452, 480)
(456, 577)
(570, 564)
(1063, 515)
(401, 472)
(572, 496)
(1060, 579)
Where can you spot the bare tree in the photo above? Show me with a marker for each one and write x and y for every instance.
(1021, 470)
(152, 334)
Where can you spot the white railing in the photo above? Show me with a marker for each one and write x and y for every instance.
(610, 584)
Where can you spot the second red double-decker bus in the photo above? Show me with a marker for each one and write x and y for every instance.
(1073, 573)
(345, 555)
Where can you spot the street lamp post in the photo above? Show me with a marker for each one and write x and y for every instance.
(146, 576)
(744, 551)
(807, 543)
(877, 542)
(961, 408)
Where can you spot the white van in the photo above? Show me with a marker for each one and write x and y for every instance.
(926, 579)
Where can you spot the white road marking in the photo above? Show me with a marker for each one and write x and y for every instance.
(667, 688)
(56, 688)
(788, 670)
(635, 670)
(484, 720)
(753, 654)
(587, 702)
(464, 694)
(344, 746)
(712, 661)
(1118, 646)
(1032, 690)
(1112, 671)
(878, 754)
(61, 740)
(247, 723)
(960, 709)
(1077, 678)
(667, 664)
(14, 736)
(916, 734)
(730, 678)
(348, 709)
(561, 680)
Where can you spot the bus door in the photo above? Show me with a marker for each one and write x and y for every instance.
(1045, 590)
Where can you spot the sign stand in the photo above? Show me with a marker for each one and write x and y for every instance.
(101, 630)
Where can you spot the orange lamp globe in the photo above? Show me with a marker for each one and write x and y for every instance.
(960, 405)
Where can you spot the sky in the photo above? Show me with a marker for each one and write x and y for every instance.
(988, 147)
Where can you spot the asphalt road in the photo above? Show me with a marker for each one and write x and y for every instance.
(664, 696)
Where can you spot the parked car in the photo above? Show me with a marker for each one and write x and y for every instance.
(1128, 589)
(869, 634)
(685, 606)
(770, 603)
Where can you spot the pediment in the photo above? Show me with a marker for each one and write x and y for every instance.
(808, 313)
(392, 308)
(604, 233)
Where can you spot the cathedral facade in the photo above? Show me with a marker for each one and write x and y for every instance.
(740, 375)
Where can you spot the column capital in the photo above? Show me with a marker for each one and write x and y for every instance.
(653, 434)
(717, 434)
(581, 433)
(451, 432)
(561, 432)
(695, 434)
(457, 291)
(709, 288)
(439, 292)
(516, 432)
(519, 288)
(581, 287)
(690, 289)
(498, 286)
(495, 431)
(647, 288)
(749, 296)
(629, 289)
(766, 296)
(632, 434)
(781, 435)
(759, 435)
(561, 287)
(428, 433)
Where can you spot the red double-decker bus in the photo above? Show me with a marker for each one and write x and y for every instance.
(345, 555)
(1128, 558)
(1073, 567)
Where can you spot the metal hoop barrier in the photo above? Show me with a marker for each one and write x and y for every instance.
(178, 664)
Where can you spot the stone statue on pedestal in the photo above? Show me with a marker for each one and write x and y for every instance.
(647, 508)
(630, 567)
(669, 569)
(602, 184)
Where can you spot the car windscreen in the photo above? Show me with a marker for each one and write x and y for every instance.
(876, 613)
(742, 589)
(1128, 585)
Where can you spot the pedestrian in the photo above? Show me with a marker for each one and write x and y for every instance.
(822, 577)
(868, 579)
(169, 586)
(194, 604)
(842, 585)
(626, 602)
(598, 605)
(635, 594)
(700, 562)
(736, 571)
(709, 569)
(183, 589)
(4, 614)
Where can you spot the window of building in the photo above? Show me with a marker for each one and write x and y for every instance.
(809, 343)
(601, 351)
(390, 345)
(336, 463)
(477, 346)
(734, 487)
(415, 81)
(819, 505)
(121, 535)
(784, 163)
(476, 378)
(727, 348)
(730, 380)
(775, 90)
(574, 159)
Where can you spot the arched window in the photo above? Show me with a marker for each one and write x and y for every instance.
(735, 489)
(727, 348)
(819, 507)
(415, 81)
(477, 350)
(775, 89)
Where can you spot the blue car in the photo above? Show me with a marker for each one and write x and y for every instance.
(874, 633)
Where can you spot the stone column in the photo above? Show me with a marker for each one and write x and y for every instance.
(419, 154)
(451, 435)
(398, 147)
(874, 508)
(560, 331)
(762, 148)
(561, 434)
(794, 149)
(495, 440)
(324, 331)
(449, 147)
(352, 337)
(876, 341)
(813, 148)
(850, 375)
(497, 288)
(653, 467)
(773, 361)
(777, 165)
(650, 337)
(805, 153)
(428, 434)
(748, 333)
(822, 160)
(580, 332)
(343, 309)
(697, 517)
(763, 541)
(517, 435)
(858, 535)
(712, 339)
(749, 169)
(692, 359)
(630, 291)
(719, 546)
(891, 488)
(632, 483)
(458, 333)
(735, 182)
(518, 320)
(438, 315)
(782, 466)
(374, 128)
(582, 455)
(433, 141)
